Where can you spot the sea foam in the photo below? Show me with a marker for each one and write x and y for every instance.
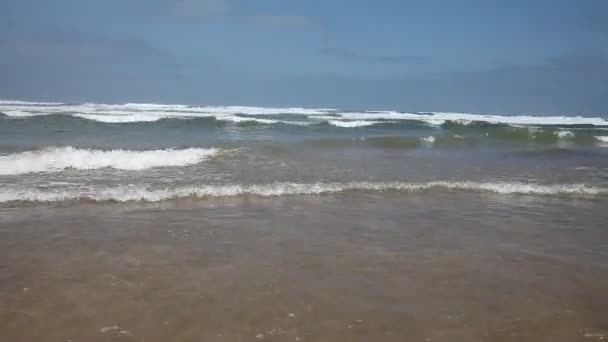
(140, 193)
(438, 118)
(355, 123)
(564, 134)
(55, 159)
(142, 112)
(430, 140)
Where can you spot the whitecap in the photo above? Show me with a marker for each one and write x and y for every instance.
(240, 119)
(140, 110)
(430, 140)
(54, 159)
(564, 134)
(355, 123)
(438, 118)
(140, 193)
(119, 118)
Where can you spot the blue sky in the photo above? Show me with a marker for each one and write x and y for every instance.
(515, 56)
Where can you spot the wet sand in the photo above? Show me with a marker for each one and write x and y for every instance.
(348, 267)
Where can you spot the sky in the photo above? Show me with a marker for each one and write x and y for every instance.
(482, 56)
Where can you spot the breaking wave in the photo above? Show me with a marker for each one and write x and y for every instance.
(355, 123)
(439, 118)
(430, 140)
(137, 193)
(133, 112)
(55, 159)
(564, 134)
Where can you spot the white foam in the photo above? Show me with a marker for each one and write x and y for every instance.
(325, 117)
(602, 140)
(131, 112)
(524, 119)
(264, 110)
(564, 134)
(240, 119)
(430, 140)
(21, 113)
(142, 112)
(119, 118)
(59, 158)
(438, 118)
(355, 123)
(100, 108)
(389, 116)
(137, 193)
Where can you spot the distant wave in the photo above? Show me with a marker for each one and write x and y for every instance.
(355, 123)
(34, 108)
(134, 112)
(238, 119)
(107, 118)
(55, 159)
(249, 119)
(137, 193)
(153, 116)
(438, 118)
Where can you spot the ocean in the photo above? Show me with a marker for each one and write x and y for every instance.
(153, 222)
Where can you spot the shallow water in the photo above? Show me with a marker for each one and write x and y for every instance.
(364, 267)
(223, 230)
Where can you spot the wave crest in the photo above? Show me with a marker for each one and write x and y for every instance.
(137, 193)
(55, 159)
(133, 112)
(355, 123)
